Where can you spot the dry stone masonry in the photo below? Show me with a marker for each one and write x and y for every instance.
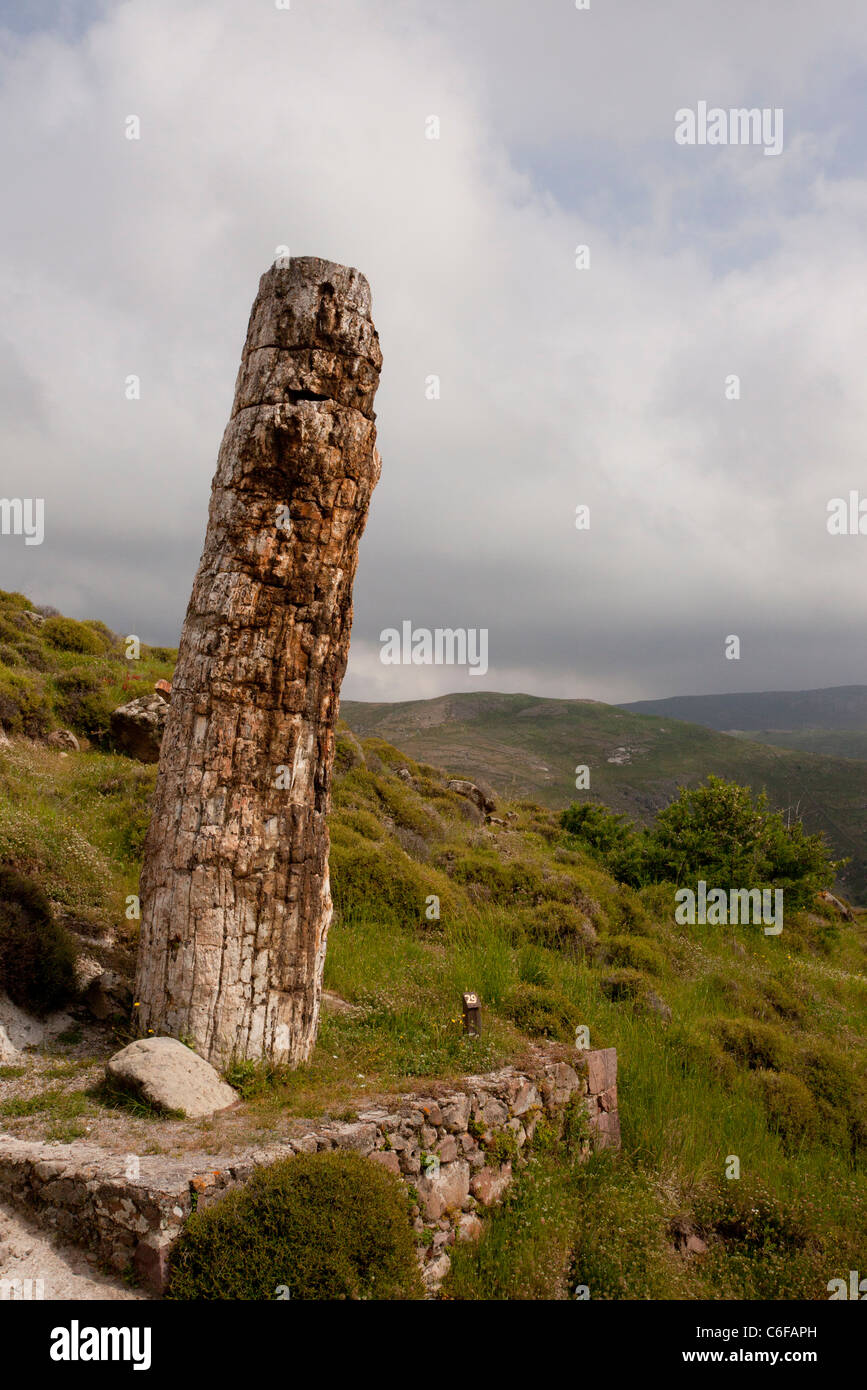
(235, 892)
(456, 1148)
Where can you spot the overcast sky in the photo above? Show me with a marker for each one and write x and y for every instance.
(604, 386)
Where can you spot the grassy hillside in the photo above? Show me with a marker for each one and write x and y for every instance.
(831, 743)
(55, 672)
(529, 747)
(730, 1043)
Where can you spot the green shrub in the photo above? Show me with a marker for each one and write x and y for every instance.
(33, 655)
(628, 912)
(558, 925)
(81, 703)
(363, 823)
(838, 1093)
(783, 1001)
(327, 1226)
(747, 1214)
(70, 636)
(489, 878)
(348, 752)
(541, 1013)
(790, 1108)
(611, 836)
(755, 1043)
(12, 599)
(13, 629)
(24, 707)
(626, 983)
(36, 954)
(109, 639)
(721, 833)
(635, 953)
(378, 878)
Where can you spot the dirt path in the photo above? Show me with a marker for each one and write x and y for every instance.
(66, 1272)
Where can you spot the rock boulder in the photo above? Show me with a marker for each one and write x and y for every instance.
(482, 797)
(137, 728)
(169, 1076)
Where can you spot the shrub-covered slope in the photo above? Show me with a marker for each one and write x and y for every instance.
(731, 1044)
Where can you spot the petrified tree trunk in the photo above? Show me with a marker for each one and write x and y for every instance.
(234, 890)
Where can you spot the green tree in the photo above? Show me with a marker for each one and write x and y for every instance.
(720, 832)
(613, 838)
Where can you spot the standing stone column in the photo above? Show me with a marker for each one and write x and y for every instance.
(235, 895)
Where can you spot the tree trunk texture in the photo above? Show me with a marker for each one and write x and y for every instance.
(235, 895)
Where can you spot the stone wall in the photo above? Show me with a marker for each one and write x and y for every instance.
(456, 1147)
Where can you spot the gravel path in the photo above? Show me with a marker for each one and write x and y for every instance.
(26, 1252)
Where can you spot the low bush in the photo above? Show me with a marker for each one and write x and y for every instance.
(755, 1043)
(562, 926)
(36, 954)
(325, 1226)
(635, 953)
(790, 1108)
(24, 707)
(80, 702)
(541, 1012)
(67, 635)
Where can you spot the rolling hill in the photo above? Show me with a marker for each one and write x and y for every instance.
(831, 721)
(527, 746)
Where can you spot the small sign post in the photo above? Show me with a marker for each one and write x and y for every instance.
(472, 1016)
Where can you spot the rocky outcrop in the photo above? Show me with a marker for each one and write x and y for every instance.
(169, 1076)
(63, 739)
(107, 995)
(235, 891)
(482, 797)
(137, 728)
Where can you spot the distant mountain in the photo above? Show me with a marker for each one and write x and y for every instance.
(526, 746)
(839, 707)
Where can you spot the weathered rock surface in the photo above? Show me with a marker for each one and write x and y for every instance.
(8, 1052)
(137, 728)
(168, 1075)
(63, 738)
(446, 1190)
(489, 1185)
(108, 994)
(22, 1030)
(235, 893)
(482, 797)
